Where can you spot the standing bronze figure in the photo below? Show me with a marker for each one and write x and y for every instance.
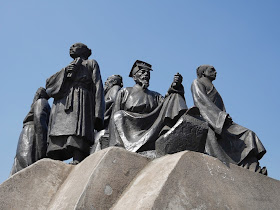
(227, 141)
(78, 106)
(32, 143)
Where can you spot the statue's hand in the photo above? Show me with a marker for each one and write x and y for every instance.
(70, 69)
(177, 80)
(98, 124)
(228, 120)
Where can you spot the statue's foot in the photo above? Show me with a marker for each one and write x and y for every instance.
(253, 164)
(264, 171)
(261, 170)
(74, 162)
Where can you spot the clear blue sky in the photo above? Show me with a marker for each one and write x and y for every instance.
(240, 38)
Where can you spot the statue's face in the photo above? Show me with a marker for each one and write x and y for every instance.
(210, 73)
(76, 50)
(109, 83)
(142, 77)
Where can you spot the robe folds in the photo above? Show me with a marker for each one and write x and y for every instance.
(102, 137)
(32, 143)
(110, 98)
(78, 107)
(139, 115)
(229, 142)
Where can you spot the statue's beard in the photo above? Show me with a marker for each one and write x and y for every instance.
(143, 82)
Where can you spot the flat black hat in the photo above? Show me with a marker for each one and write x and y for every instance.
(138, 65)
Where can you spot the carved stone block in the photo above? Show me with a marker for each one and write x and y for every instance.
(189, 133)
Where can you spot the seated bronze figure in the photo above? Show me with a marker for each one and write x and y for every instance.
(111, 88)
(226, 140)
(140, 115)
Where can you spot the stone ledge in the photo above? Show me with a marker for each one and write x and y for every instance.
(117, 179)
(99, 180)
(190, 180)
(34, 186)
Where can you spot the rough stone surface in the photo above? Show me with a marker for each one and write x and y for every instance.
(34, 186)
(189, 133)
(152, 154)
(190, 180)
(99, 180)
(117, 179)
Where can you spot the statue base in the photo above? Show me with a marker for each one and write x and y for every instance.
(117, 179)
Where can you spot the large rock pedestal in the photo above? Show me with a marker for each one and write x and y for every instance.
(99, 180)
(96, 183)
(190, 180)
(117, 179)
(33, 187)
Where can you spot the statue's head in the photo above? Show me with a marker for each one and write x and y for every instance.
(207, 71)
(80, 50)
(140, 72)
(113, 80)
(40, 93)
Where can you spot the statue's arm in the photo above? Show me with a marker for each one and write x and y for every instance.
(55, 85)
(112, 97)
(176, 86)
(41, 118)
(98, 94)
(114, 138)
(121, 97)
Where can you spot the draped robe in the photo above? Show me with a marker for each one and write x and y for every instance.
(102, 137)
(78, 106)
(32, 143)
(110, 98)
(140, 114)
(231, 143)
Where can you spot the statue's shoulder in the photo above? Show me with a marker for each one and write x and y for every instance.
(196, 81)
(115, 88)
(42, 102)
(127, 89)
(154, 93)
(113, 91)
(91, 62)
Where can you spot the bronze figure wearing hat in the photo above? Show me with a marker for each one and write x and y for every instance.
(140, 115)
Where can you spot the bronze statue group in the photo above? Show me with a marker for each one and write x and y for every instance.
(86, 117)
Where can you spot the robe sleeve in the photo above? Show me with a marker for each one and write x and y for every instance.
(55, 84)
(41, 118)
(112, 97)
(114, 139)
(98, 94)
(109, 103)
(180, 90)
(209, 111)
